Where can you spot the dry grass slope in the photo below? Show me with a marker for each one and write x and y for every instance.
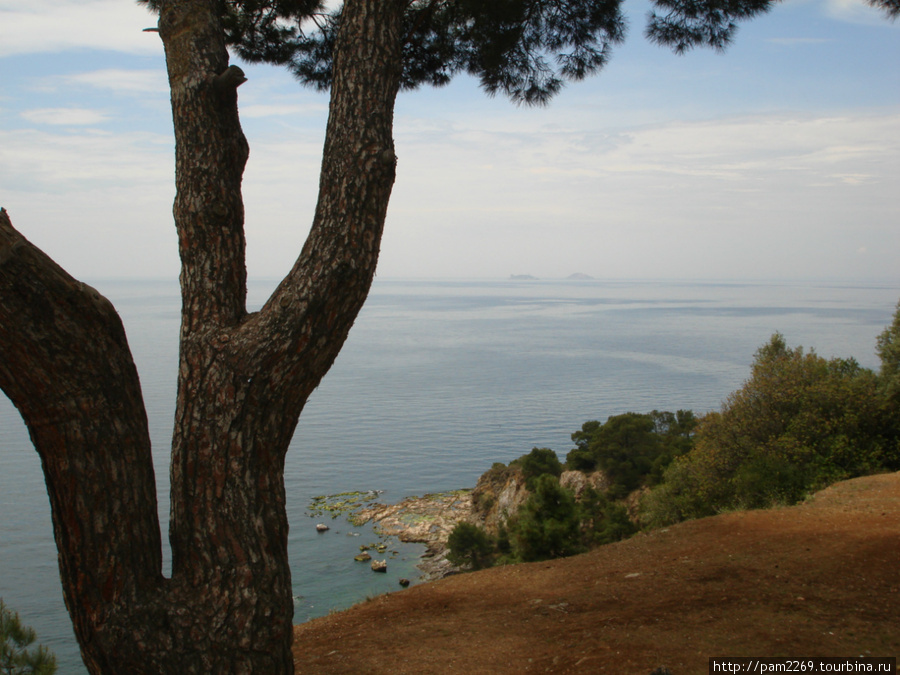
(818, 579)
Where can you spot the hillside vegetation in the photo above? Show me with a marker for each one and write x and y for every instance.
(811, 571)
(798, 424)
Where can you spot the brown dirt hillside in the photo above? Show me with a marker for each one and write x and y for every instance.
(818, 579)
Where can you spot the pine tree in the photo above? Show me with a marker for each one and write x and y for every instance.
(244, 377)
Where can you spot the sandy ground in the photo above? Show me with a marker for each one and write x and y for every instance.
(819, 579)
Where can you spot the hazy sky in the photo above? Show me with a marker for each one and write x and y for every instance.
(778, 159)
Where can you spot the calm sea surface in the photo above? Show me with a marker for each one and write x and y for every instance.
(437, 381)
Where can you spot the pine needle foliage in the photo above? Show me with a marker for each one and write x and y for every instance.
(18, 655)
(524, 49)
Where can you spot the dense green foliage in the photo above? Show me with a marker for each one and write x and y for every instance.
(526, 49)
(17, 655)
(547, 525)
(470, 547)
(888, 350)
(632, 449)
(536, 463)
(798, 424)
(603, 520)
(550, 524)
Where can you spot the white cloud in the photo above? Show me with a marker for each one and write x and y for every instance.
(99, 204)
(733, 196)
(118, 80)
(705, 198)
(65, 116)
(854, 11)
(728, 149)
(68, 163)
(796, 41)
(40, 26)
(279, 110)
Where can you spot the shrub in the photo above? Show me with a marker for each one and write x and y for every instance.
(632, 449)
(547, 525)
(602, 521)
(538, 462)
(470, 547)
(17, 656)
(798, 424)
(888, 350)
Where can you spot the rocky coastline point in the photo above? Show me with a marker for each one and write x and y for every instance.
(431, 518)
(428, 520)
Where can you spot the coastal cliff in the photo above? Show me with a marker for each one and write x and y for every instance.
(496, 498)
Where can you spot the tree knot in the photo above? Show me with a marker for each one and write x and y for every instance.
(230, 79)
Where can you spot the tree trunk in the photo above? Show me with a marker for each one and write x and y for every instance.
(243, 378)
(67, 368)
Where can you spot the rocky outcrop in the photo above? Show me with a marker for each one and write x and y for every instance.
(425, 519)
(578, 482)
(497, 496)
(501, 492)
(633, 504)
(429, 520)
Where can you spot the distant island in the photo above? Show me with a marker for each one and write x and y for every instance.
(578, 276)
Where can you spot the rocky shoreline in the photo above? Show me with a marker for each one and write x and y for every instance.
(428, 520)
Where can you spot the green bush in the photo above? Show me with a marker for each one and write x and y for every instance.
(888, 350)
(582, 458)
(470, 547)
(632, 449)
(800, 422)
(551, 523)
(602, 521)
(547, 525)
(17, 655)
(538, 462)
(764, 481)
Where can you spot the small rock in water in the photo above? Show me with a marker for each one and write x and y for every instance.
(404, 582)
(322, 527)
(379, 565)
(362, 557)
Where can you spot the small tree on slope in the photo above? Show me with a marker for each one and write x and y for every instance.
(18, 656)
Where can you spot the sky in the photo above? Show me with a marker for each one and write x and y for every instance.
(779, 159)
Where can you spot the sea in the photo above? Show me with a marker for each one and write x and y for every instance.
(438, 380)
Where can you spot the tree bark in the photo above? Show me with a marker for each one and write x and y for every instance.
(66, 366)
(243, 378)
